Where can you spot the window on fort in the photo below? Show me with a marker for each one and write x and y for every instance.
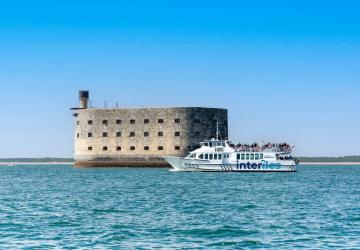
(197, 120)
(105, 122)
(77, 135)
(146, 134)
(89, 148)
(105, 134)
(118, 148)
(118, 134)
(132, 121)
(160, 134)
(160, 148)
(105, 148)
(177, 120)
(161, 121)
(132, 134)
(89, 134)
(177, 133)
(177, 148)
(118, 121)
(90, 122)
(146, 121)
(197, 133)
(146, 148)
(77, 122)
(132, 148)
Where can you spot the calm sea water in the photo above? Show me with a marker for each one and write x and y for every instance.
(62, 207)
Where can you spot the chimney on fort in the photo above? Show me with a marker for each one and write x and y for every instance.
(84, 98)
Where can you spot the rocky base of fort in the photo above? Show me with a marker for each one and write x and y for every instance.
(123, 162)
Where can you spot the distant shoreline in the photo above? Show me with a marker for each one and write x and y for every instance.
(35, 163)
(329, 163)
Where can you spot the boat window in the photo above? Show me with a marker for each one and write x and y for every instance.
(251, 156)
(215, 156)
(238, 156)
(220, 156)
(247, 156)
(192, 156)
(206, 156)
(261, 156)
(256, 156)
(218, 144)
(242, 156)
(223, 144)
(210, 156)
(201, 156)
(206, 144)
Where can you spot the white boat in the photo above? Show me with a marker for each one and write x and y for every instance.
(217, 155)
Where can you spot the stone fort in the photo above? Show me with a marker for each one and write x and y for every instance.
(141, 136)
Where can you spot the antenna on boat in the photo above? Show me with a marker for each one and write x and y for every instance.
(217, 131)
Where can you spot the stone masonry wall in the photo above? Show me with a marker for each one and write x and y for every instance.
(130, 136)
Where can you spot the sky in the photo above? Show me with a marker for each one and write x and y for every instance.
(285, 70)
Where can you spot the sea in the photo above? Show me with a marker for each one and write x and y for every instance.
(62, 207)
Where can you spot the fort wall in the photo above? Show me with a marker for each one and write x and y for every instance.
(141, 136)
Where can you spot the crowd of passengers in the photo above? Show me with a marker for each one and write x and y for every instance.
(255, 147)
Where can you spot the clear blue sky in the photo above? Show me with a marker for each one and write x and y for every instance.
(285, 70)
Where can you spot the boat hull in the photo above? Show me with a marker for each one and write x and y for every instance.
(182, 164)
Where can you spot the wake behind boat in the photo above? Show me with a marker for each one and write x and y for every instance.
(218, 155)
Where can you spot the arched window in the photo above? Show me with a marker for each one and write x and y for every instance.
(132, 121)
(118, 134)
(89, 148)
(132, 134)
(89, 134)
(160, 148)
(160, 133)
(118, 148)
(104, 148)
(177, 147)
(132, 148)
(146, 134)
(90, 122)
(146, 148)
